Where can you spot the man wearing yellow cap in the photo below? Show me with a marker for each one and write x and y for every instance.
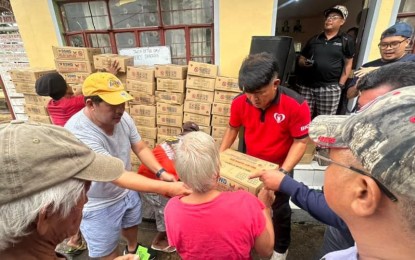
(106, 128)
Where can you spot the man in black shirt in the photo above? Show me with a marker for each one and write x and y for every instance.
(325, 64)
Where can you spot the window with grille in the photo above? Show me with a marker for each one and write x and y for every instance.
(407, 14)
(186, 26)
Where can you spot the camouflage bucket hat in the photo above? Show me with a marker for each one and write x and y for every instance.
(381, 135)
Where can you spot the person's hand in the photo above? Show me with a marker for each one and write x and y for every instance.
(267, 197)
(128, 257)
(364, 70)
(352, 92)
(177, 188)
(113, 68)
(271, 178)
(165, 176)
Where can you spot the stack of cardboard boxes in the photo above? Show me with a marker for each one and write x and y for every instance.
(34, 106)
(226, 89)
(171, 82)
(75, 64)
(199, 94)
(141, 85)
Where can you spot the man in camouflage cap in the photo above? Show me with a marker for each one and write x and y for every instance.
(370, 182)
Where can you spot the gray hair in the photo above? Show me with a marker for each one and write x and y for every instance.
(16, 216)
(197, 161)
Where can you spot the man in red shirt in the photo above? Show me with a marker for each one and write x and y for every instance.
(276, 121)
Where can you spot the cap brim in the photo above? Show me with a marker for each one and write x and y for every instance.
(103, 168)
(326, 131)
(116, 98)
(330, 10)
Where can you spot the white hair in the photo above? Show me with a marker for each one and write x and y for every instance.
(197, 161)
(16, 216)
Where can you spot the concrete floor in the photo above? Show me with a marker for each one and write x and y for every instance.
(307, 236)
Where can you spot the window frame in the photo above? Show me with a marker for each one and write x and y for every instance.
(137, 30)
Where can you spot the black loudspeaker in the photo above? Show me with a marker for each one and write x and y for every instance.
(282, 47)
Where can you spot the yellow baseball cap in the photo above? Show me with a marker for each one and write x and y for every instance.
(106, 86)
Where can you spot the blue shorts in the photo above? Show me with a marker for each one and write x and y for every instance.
(101, 228)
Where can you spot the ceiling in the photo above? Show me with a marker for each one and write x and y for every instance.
(288, 9)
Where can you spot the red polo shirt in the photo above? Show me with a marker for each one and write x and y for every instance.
(60, 111)
(270, 133)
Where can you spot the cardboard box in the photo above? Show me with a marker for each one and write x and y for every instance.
(75, 53)
(148, 121)
(142, 110)
(309, 153)
(220, 120)
(199, 95)
(25, 87)
(103, 61)
(171, 85)
(75, 77)
(151, 143)
(234, 146)
(218, 131)
(221, 109)
(169, 130)
(225, 97)
(147, 132)
(205, 129)
(142, 99)
(227, 84)
(236, 168)
(36, 100)
(197, 107)
(141, 73)
(207, 84)
(140, 86)
(39, 119)
(201, 120)
(170, 120)
(75, 66)
(169, 109)
(171, 71)
(36, 110)
(28, 74)
(170, 98)
(202, 69)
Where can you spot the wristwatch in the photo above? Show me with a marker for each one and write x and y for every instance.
(159, 172)
(284, 171)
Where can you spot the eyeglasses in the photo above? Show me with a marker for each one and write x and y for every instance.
(382, 187)
(333, 17)
(393, 45)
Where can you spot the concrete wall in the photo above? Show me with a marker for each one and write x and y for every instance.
(37, 30)
(238, 22)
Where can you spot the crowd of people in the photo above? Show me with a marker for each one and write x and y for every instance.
(74, 179)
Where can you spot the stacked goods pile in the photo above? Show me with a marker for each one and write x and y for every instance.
(171, 82)
(34, 106)
(141, 84)
(199, 94)
(75, 64)
(226, 89)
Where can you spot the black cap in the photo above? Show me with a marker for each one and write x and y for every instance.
(51, 85)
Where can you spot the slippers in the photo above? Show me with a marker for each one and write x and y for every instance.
(167, 249)
(77, 249)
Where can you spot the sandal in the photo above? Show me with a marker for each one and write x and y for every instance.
(167, 249)
(77, 249)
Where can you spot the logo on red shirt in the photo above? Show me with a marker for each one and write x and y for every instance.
(279, 117)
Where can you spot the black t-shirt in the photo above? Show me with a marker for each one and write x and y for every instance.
(380, 63)
(328, 56)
